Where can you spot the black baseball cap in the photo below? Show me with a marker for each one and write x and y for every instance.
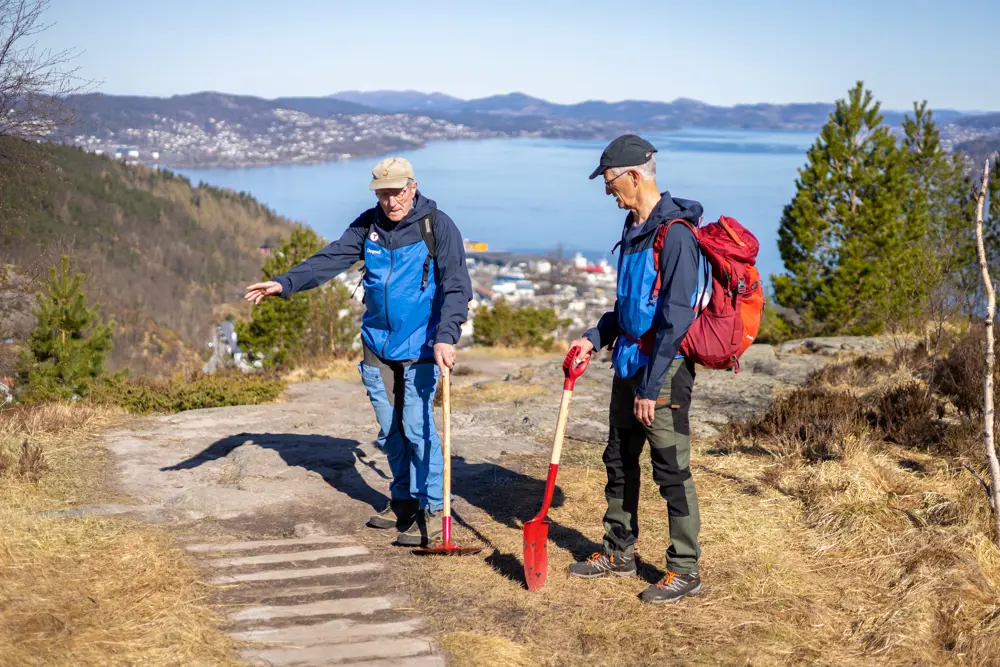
(628, 150)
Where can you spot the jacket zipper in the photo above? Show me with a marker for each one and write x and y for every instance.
(388, 327)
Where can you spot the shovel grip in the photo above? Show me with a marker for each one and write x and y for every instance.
(571, 369)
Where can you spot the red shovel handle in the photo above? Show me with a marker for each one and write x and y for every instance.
(572, 369)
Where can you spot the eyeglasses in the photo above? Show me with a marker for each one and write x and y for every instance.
(399, 195)
(608, 183)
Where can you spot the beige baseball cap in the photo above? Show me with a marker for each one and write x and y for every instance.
(391, 173)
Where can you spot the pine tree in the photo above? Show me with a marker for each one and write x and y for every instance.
(507, 326)
(942, 269)
(68, 347)
(277, 326)
(842, 236)
(333, 320)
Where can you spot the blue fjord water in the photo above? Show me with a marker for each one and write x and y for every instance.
(529, 194)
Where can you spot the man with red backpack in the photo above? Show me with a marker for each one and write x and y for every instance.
(651, 390)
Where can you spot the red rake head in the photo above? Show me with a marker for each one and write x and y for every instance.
(446, 550)
(446, 547)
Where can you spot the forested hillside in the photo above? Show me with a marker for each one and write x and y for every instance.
(160, 256)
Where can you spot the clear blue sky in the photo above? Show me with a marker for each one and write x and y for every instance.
(721, 52)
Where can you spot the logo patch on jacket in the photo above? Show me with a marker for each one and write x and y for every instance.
(373, 236)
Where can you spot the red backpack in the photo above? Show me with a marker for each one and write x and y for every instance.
(723, 330)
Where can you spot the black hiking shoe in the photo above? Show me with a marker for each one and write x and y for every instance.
(672, 588)
(421, 532)
(397, 514)
(602, 565)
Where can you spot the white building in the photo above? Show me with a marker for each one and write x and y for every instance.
(542, 266)
(524, 289)
(579, 261)
(505, 288)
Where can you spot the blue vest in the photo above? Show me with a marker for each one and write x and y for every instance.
(637, 308)
(401, 316)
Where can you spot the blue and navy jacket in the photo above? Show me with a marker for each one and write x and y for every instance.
(636, 312)
(402, 320)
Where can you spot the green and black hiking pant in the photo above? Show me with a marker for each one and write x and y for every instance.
(670, 450)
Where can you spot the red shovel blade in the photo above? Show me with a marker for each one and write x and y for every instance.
(536, 538)
(536, 553)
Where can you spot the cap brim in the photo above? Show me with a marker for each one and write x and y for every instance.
(388, 184)
(597, 172)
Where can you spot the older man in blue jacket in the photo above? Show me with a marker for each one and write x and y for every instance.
(417, 293)
(651, 390)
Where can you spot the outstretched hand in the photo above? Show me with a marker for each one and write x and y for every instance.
(259, 291)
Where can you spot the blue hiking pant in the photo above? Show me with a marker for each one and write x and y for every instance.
(402, 394)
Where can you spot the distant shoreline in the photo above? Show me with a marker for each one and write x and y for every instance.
(357, 156)
(399, 149)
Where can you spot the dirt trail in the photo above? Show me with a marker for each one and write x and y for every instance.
(274, 497)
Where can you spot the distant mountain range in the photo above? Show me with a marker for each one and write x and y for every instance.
(644, 115)
(99, 111)
(402, 100)
(218, 129)
(986, 121)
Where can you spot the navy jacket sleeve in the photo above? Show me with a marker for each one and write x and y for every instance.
(679, 271)
(329, 262)
(606, 331)
(453, 279)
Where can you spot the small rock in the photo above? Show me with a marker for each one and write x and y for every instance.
(308, 529)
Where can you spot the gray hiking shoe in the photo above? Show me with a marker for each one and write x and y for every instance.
(672, 588)
(397, 514)
(421, 532)
(602, 565)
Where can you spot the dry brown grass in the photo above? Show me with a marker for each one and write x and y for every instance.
(499, 352)
(101, 592)
(770, 600)
(89, 591)
(499, 391)
(59, 438)
(872, 553)
(466, 646)
(324, 369)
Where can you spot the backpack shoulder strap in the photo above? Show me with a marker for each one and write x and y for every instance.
(364, 265)
(369, 222)
(658, 243)
(427, 234)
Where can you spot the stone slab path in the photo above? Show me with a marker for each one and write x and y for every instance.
(312, 601)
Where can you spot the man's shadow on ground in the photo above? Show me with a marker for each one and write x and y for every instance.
(336, 460)
(508, 497)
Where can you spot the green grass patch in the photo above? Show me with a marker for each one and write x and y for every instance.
(179, 393)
